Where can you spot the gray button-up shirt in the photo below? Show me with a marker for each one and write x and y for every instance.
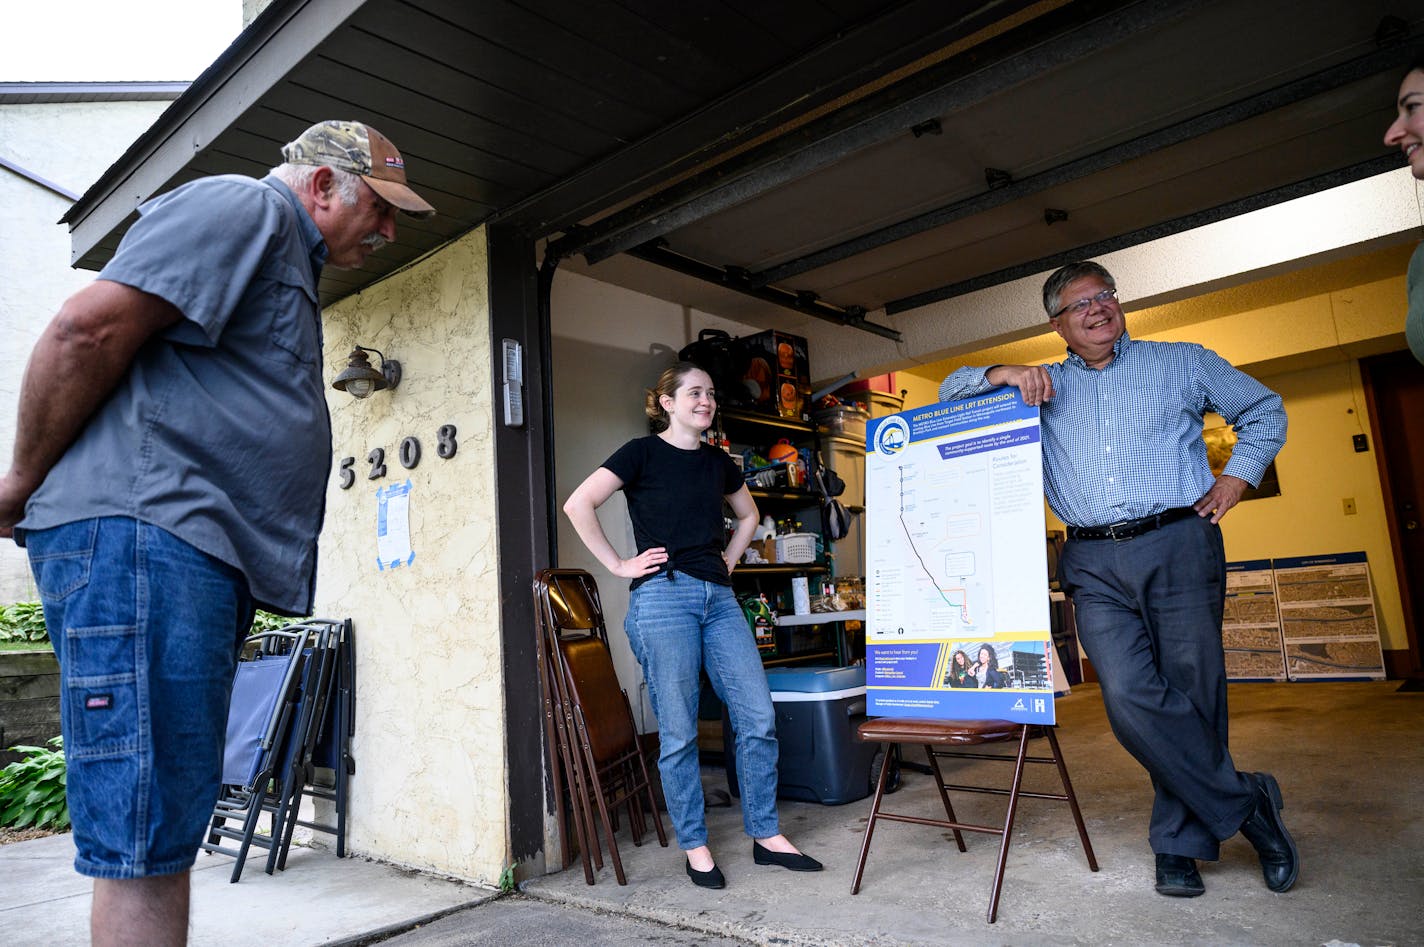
(219, 433)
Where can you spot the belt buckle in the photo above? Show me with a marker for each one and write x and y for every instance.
(1112, 529)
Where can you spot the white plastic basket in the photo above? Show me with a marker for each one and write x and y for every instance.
(796, 547)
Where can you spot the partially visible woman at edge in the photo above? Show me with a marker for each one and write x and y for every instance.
(1407, 134)
(682, 615)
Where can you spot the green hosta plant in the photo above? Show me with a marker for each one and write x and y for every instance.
(22, 621)
(32, 789)
(266, 621)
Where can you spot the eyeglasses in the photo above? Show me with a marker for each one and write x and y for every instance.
(1082, 305)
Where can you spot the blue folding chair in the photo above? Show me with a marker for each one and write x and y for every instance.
(282, 701)
(265, 703)
(329, 747)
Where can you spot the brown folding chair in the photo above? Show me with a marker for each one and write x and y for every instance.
(558, 730)
(601, 754)
(941, 738)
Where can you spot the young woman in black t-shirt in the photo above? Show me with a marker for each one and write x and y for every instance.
(682, 616)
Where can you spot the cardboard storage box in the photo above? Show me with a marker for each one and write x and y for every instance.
(884, 383)
(777, 373)
(817, 713)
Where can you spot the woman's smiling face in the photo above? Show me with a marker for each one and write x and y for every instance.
(694, 403)
(1407, 132)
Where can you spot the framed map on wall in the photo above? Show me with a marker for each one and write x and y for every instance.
(1220, 441)
(1251, 624)
(1327, 608)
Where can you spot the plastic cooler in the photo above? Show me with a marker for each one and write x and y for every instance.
(817, 712)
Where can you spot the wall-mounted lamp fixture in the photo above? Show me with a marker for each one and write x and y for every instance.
(358, 379)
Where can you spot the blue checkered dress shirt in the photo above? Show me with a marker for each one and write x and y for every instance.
(1126, 441)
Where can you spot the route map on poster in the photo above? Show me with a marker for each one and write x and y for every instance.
(956, 574)
(1251, 627)
(1328, 617)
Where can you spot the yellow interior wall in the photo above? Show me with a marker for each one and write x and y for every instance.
(1319, 468)
(430, 788)
(1305, 349)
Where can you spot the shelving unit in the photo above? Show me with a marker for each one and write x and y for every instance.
(801, 658)
(733, 416)
(776, 569)
(819, 638)
(801, 639)
(820, 618)
(842, 652)
(760, 493)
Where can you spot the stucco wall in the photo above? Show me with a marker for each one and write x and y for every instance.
(68, 144)
(429, 789)
(250, 9)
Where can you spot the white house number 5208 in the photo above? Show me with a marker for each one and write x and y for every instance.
(408, 454)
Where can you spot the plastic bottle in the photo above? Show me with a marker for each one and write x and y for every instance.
(800, 595)
(762, 621)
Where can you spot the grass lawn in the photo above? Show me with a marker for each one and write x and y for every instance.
(45, 645)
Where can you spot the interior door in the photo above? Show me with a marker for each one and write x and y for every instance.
(1394, 384)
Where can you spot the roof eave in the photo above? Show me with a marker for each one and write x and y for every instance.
(261, 56)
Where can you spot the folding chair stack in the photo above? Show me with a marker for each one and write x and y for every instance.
(291, 711)
(332, 752)
(593, 743)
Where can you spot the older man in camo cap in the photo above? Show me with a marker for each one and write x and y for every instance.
(152, 529)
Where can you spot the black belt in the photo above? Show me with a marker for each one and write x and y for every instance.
(1130, 528)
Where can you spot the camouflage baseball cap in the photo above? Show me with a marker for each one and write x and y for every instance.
(360, 149)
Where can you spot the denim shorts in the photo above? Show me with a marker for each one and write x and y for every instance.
(146, 629)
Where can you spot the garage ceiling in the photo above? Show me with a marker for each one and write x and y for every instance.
(847, 158)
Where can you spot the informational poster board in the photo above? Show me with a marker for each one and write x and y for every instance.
(1328, 618)
(1251, 628)
(956, 575)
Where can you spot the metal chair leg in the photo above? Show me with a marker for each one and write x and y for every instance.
(870, 825)
(1008, 831)
(1072, 799)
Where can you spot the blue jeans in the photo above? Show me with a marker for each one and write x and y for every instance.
(679, 626)
(1149, 615)
(146, 629)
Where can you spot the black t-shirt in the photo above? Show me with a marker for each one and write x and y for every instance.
(675, 501)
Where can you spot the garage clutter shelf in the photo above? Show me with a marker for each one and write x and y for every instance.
(782, 493)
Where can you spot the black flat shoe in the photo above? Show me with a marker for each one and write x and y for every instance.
(706, 879)
(792, 860)
(1177, 876)
(1264, 829)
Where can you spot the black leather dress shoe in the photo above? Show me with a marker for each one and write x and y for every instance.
(712, 878)
(1264, 829)
(792, 860)
(1177, 876)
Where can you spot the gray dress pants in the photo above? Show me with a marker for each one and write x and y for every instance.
(1148, 611)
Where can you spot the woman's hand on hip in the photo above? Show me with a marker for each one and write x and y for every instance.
(644, 563)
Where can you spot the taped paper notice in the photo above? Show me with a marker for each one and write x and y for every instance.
(393, 527)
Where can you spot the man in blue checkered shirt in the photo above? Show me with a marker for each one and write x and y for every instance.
(1125, 466)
